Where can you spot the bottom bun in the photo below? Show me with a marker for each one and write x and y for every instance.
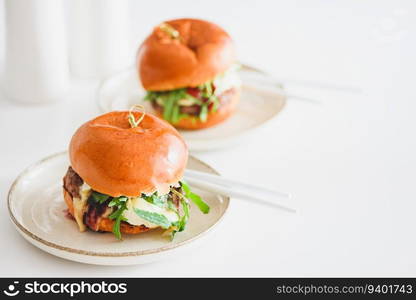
(223, 112)
(105, 224)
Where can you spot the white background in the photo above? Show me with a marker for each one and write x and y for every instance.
(349, 160)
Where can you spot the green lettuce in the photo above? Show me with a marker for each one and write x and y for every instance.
(170, 102)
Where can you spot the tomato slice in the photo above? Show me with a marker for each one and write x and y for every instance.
(194, 92)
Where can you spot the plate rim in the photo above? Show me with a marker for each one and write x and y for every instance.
(29, 234)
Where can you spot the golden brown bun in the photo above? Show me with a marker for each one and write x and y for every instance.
(202, 51)
(106, 224)
(214, 118)
(117, 160)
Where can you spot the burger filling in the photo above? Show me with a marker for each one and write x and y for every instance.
(169, 211)
(196, 102)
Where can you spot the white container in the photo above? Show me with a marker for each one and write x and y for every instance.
(36, 65)
(99, 37)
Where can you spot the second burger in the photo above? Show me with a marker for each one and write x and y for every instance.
(188, 68)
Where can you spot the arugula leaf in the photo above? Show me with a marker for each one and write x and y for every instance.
(99, 197)
(175, 114)
(195, 198)
(116, 226)
(120, 203)
(180, 225)
(117, 201)
(203, 115)
(160, 201)
(184, 219)
(154, 218)
(171, 111)
(168, 107)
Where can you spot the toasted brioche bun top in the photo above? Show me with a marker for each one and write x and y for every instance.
(200, 52)
(115, 159)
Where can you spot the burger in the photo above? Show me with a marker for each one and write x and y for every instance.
(125, 176)
(188, 69)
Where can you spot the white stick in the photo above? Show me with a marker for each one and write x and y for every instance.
(233, 188)
(230, 183)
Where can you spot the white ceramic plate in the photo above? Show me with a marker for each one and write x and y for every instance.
(38, 211)
(259, 104)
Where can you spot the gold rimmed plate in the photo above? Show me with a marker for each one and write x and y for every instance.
(38, 211)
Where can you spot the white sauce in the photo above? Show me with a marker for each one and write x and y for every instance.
(139, 203)
(80, 206)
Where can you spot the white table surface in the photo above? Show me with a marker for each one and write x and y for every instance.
(349, 160)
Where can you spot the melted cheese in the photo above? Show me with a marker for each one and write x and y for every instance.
(139, 203)
(80, 206)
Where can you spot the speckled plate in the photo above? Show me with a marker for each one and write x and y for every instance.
(38, 211)
(260, 103)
